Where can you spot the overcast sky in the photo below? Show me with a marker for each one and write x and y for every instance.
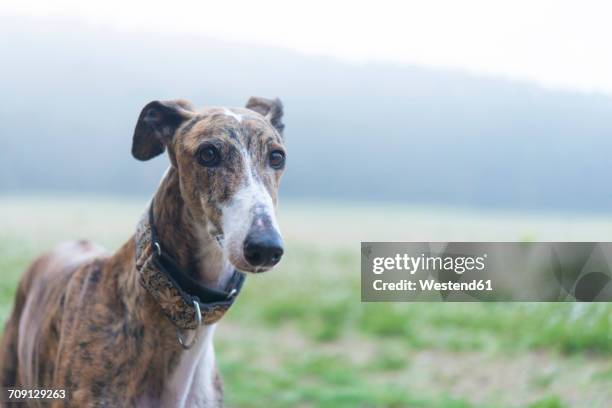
(556, 43)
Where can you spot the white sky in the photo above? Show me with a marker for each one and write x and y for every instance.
(558, 43)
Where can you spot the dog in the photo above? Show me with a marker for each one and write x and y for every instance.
(135, 328)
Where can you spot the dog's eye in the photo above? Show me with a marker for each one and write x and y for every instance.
(208, 155)
(277, 159)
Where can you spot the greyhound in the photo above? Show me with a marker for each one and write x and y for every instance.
(135, 328)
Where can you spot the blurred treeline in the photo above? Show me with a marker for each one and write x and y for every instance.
(71, 95)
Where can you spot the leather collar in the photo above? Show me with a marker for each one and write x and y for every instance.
(173, 289)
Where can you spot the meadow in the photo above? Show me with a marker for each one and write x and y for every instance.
(300, 336)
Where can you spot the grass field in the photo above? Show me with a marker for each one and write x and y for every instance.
(299, 335)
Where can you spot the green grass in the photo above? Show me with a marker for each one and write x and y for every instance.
(548, 402)
(322, 381)
(300, 336)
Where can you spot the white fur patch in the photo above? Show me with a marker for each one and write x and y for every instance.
(234, 115)
(192, 382)
(250, 200)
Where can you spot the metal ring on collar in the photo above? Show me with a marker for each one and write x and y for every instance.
(157, 248)
(182, 341)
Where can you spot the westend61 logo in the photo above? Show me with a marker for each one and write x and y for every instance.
(486, 271)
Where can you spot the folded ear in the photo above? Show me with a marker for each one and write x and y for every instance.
(156, 125)
(271, 109)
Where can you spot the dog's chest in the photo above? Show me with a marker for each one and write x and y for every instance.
(191, 383)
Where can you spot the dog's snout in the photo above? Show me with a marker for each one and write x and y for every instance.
(263, 249)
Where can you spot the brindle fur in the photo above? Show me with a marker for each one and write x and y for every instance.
(82, 322)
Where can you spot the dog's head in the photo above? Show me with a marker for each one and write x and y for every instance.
(229, 164)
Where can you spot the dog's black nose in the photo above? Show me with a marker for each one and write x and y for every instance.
(263, 249)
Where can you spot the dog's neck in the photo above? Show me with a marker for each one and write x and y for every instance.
(187, 376)
(186, 238)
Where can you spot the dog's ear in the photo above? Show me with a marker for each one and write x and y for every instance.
(271, 109)
(156, 125)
